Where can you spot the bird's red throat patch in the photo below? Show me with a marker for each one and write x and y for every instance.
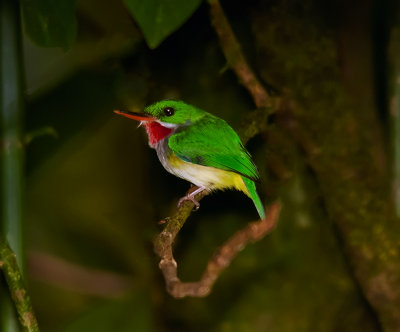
(156, 132)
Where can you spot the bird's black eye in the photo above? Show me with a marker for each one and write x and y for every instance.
(168, 111)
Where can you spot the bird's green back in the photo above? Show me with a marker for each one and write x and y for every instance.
(210, 141)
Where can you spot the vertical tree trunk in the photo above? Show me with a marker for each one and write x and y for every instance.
(11, 105)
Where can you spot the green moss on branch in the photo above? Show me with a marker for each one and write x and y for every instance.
(17, 289)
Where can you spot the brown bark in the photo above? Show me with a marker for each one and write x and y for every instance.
(221, 259)
(329, 110)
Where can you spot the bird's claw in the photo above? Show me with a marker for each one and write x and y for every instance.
(189, 198)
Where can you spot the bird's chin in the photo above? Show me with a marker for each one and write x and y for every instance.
(168, 125)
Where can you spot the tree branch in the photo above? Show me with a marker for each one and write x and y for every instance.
(235, 58)
(254, 122)
(221, 259)
(18, 292)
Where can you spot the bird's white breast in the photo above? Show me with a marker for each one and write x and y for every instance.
(202, 176)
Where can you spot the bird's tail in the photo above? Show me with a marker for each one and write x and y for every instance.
(252, 193)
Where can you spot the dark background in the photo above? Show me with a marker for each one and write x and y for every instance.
(95, 191)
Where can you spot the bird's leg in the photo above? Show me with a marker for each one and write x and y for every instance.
(190, 197)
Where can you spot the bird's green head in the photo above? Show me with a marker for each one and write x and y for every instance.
(174, 112)
(170, 113)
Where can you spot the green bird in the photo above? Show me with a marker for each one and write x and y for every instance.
(200, 148)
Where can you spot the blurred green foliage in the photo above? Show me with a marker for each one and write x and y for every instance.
(159, 18)
(50, 23)
(54, 24)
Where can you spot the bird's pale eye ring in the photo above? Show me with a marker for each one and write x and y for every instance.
(169, 111)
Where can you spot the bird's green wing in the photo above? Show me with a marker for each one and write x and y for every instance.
(212, 142)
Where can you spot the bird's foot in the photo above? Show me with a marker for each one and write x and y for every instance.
(191, 198)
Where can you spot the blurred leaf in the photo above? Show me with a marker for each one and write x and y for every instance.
(159, 18)
(44, 131)
(133, 314)
(50, 23)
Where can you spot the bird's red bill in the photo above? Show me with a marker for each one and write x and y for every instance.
(135, 116)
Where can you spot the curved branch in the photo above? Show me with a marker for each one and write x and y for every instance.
(221, 259)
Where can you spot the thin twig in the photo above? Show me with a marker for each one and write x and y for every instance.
(254, 122)
(235, 58)
(222, 257)
(18, 292)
